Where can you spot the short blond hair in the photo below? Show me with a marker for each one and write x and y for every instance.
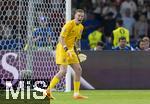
(79, 10)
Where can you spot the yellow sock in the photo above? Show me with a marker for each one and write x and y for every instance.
(54, 81)
(76, 87)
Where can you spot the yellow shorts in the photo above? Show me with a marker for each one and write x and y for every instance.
(62, 58)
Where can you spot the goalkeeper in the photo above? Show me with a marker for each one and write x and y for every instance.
(66, 55)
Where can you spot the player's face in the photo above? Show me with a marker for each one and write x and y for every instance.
(79, 16)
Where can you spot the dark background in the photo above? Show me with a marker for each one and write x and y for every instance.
(117, 70)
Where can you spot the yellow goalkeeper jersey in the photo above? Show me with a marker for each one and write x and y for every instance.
(71, 32)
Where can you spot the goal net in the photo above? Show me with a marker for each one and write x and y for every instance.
(29, 31)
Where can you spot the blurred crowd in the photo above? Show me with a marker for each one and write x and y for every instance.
(105, 17)
(108, 24)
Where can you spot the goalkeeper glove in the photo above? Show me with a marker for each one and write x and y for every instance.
(82, 57)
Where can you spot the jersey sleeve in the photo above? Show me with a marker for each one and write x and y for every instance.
(66, 29)
(80, 34)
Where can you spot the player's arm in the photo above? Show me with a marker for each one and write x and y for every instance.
(82, 57)
(62, 41)
(64, 33)
(77, 46)
(77, 42)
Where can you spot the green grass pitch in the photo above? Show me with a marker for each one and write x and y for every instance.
(95, 97)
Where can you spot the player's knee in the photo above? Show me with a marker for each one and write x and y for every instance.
(79, 70)
(63, 72)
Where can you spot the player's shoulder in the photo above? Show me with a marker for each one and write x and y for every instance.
(70, 22)
(81, 26)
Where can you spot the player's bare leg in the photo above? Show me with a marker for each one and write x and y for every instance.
(78, 71)
(55, 80)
